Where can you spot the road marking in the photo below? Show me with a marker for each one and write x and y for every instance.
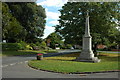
(12, 64)
(83, 74)
(26, 61)
(4, 66)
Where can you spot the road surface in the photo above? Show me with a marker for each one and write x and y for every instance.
(16, 67)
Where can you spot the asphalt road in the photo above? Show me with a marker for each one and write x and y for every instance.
(16, 67)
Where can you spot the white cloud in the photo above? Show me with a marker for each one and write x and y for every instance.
(48, 30)
(52, 15)
(55, 3)
(54, 22)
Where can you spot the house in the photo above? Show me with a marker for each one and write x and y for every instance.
(101, 46)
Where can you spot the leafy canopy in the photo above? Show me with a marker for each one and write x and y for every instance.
(27, 18)
(103, 21)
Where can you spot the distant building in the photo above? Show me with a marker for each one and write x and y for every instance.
(101, 46)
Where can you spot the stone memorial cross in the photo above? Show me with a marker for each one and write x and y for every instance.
(87, 54)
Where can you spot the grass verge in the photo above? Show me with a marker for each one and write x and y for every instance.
(25, 52)
(50, 51)
(65, 64)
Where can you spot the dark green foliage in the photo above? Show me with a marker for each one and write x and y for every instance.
(11, 46)
(103, 18)
(11, 28)
(23, 21)
(25, 46)
(16, 46)
(68, 46)
(32, 44)
(39, 46)
(43, 45)
(55, 40)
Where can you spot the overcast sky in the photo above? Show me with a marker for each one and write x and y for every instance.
(51, 8)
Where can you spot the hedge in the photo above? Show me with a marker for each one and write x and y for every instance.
(11, 46)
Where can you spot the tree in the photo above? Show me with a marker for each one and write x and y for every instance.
(30, 16)
(11, 27)
(55, 40)
(103, 17)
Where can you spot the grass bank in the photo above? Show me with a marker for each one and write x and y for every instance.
(65, 64)
(26, 52)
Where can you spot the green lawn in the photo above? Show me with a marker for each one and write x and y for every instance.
(65, 64)
(12, 53)
(51, 51)
(24, 52)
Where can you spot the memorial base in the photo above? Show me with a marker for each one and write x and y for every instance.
(87, 56)
(93, 60)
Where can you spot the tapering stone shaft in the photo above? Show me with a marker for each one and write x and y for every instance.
(87, 30)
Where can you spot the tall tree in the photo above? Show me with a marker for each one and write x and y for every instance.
(11, 28)
(103, 18)
(31, 17)
(55, 40)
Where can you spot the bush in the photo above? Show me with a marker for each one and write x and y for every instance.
(68, 46)
(11, 46)
(43, 45)
(34, 46)
(23, 45)
(28, 47)
(39, 46)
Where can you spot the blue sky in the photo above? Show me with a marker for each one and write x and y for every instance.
(51, 8)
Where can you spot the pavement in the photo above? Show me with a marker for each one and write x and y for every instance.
(16, 67)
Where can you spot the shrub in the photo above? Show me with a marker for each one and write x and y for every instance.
(43, 45)
(11, 46)
(68, 46)
(28, 47)
(24, 44)
(34, 46)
